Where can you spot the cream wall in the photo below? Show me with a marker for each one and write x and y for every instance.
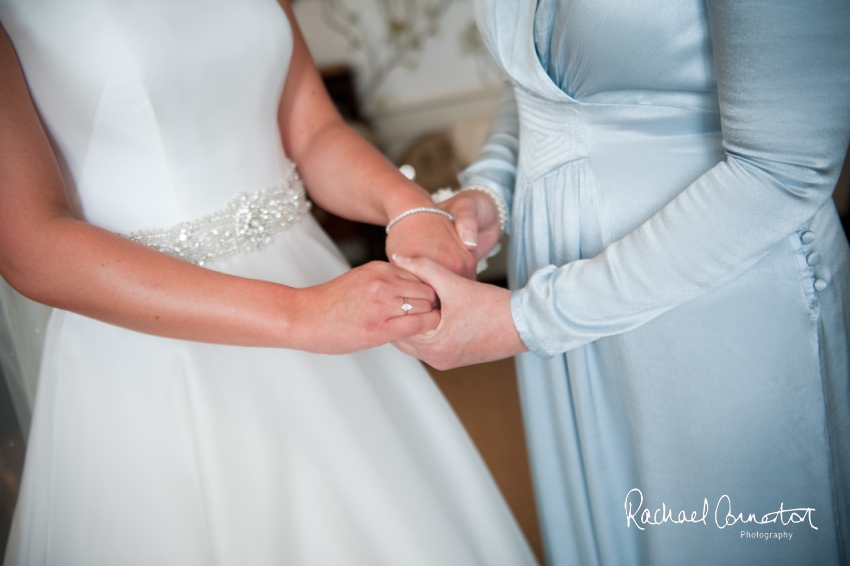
(449, 89)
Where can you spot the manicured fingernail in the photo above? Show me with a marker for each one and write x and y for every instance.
(468, 238)
(400, 259)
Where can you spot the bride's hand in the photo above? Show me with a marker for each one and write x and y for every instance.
(433, 236)
(476, 323)
(362, 309)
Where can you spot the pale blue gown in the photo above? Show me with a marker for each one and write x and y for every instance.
(681, 277)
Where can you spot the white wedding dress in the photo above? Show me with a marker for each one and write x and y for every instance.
(152, 451)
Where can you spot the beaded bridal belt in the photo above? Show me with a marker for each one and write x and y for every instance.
(248, 223)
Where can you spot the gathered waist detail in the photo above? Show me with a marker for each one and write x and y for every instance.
(555, 132)
(248, 223)
(550, 134)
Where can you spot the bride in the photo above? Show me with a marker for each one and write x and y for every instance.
(188, 411)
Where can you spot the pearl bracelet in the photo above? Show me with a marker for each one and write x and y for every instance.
(417, 210)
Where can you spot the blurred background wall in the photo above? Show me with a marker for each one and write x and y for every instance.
(419, 65)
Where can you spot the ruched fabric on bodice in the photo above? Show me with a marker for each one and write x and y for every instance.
(133, 95)
(680, 274)
(662, 109)
(575, 174)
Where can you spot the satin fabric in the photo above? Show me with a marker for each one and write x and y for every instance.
(147, 450)
(680, 272)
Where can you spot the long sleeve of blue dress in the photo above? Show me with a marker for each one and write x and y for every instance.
(783, 84)
(495, 167)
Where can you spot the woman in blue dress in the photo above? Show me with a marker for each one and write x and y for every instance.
(679, 270)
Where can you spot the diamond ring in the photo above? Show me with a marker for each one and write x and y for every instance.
(406, 307)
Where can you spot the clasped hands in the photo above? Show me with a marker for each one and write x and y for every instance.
(454, 321)
(474, 323)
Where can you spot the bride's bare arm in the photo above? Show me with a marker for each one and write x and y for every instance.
(345, 175)
(57, 260)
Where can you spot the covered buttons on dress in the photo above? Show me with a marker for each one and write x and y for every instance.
(807, 237)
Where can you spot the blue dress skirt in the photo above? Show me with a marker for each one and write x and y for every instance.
(681, 277)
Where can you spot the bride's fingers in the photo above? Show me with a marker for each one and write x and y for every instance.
(430, 272)
(402, 327)
(406, 347)
(414, 290)
(405, 274)
(416, 306)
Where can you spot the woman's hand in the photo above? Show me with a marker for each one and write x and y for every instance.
(476, 323)
(347, 176)
(430, 235)
(458, 248)
(361, 309)
(476, 221)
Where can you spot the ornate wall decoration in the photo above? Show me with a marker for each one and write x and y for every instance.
(405, 26)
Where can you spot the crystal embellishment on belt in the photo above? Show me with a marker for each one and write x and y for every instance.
(248, 223)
